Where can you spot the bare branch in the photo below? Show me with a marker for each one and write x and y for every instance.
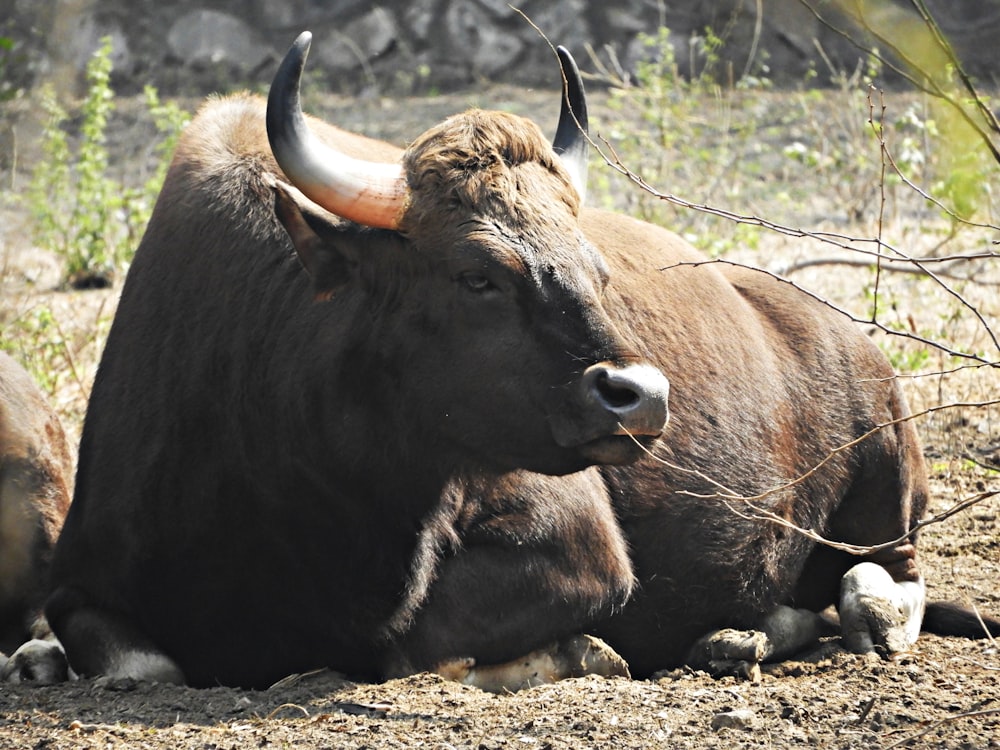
(942, 41)
(887, 155)
(890, 267)
(923, 79)
(733, 500)
(874, 322)
(729, 495)
(762, 514)
(733, 503)
(837, 239)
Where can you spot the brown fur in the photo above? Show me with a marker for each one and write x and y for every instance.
(36, 479)
(490, 164)
(367, 419)
(356, 466)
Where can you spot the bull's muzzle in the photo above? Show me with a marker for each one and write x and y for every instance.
(636, 396)
(609, 401)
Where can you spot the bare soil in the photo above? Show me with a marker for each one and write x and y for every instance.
(945, 693)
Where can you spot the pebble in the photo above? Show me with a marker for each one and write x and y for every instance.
(741, 718)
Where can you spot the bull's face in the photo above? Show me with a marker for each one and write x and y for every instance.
(490, 296)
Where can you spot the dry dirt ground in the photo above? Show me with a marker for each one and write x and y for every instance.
(943, 694)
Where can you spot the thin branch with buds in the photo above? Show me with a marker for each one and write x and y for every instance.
(739, 503)
(915, 73)
(888, 330)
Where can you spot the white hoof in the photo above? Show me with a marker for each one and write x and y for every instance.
(38, 662)
(876, 611)
(145, 666)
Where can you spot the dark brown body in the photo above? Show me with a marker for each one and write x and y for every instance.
(36, 481)
(768, 387)
(313, 444)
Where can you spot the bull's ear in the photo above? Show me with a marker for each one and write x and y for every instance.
(319, 238)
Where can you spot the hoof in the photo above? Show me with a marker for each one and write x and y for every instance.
(584, 654)
(783, 632)
(456, 670)
(38, 662)
(730, 652)
(876, 612)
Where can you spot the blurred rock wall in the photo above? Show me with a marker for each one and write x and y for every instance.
(197, 46)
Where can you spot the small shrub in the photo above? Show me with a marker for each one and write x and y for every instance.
(35, 341)
(686, 135)
(83, 214)
(58, 345)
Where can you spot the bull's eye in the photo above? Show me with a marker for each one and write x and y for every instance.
(476, 282)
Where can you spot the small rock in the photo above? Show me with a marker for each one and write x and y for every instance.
(741, 718)
(116, 684)
(209, 36)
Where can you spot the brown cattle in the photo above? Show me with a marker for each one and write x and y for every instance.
(36, 480)
(298, 421)
(384, 412)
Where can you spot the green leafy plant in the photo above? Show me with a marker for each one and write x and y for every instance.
(33, 338)
(81, 212)
(169, 120)
(7, 89)
(73, 200)
(683, 130)
(59, 347)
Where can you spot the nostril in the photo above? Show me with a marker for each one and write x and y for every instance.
(613, 401)
(616, 396)
(635, 397)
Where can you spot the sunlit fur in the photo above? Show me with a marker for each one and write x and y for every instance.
(36, 482)
(495, 164)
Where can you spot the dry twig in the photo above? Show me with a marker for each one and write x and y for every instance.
(931, 726)
(733, 500)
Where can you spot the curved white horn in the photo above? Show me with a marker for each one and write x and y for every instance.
(370, 193)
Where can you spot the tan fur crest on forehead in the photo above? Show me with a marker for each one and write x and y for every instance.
(490, 162)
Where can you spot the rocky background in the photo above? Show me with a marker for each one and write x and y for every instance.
(419, 46)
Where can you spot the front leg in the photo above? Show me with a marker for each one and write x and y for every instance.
(101, 643)
(575, 656)
(537, 560)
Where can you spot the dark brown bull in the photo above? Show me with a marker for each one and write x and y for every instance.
(373, 443)
(284, 449)
(36, 480)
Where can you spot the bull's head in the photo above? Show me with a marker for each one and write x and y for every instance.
(499, 315)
